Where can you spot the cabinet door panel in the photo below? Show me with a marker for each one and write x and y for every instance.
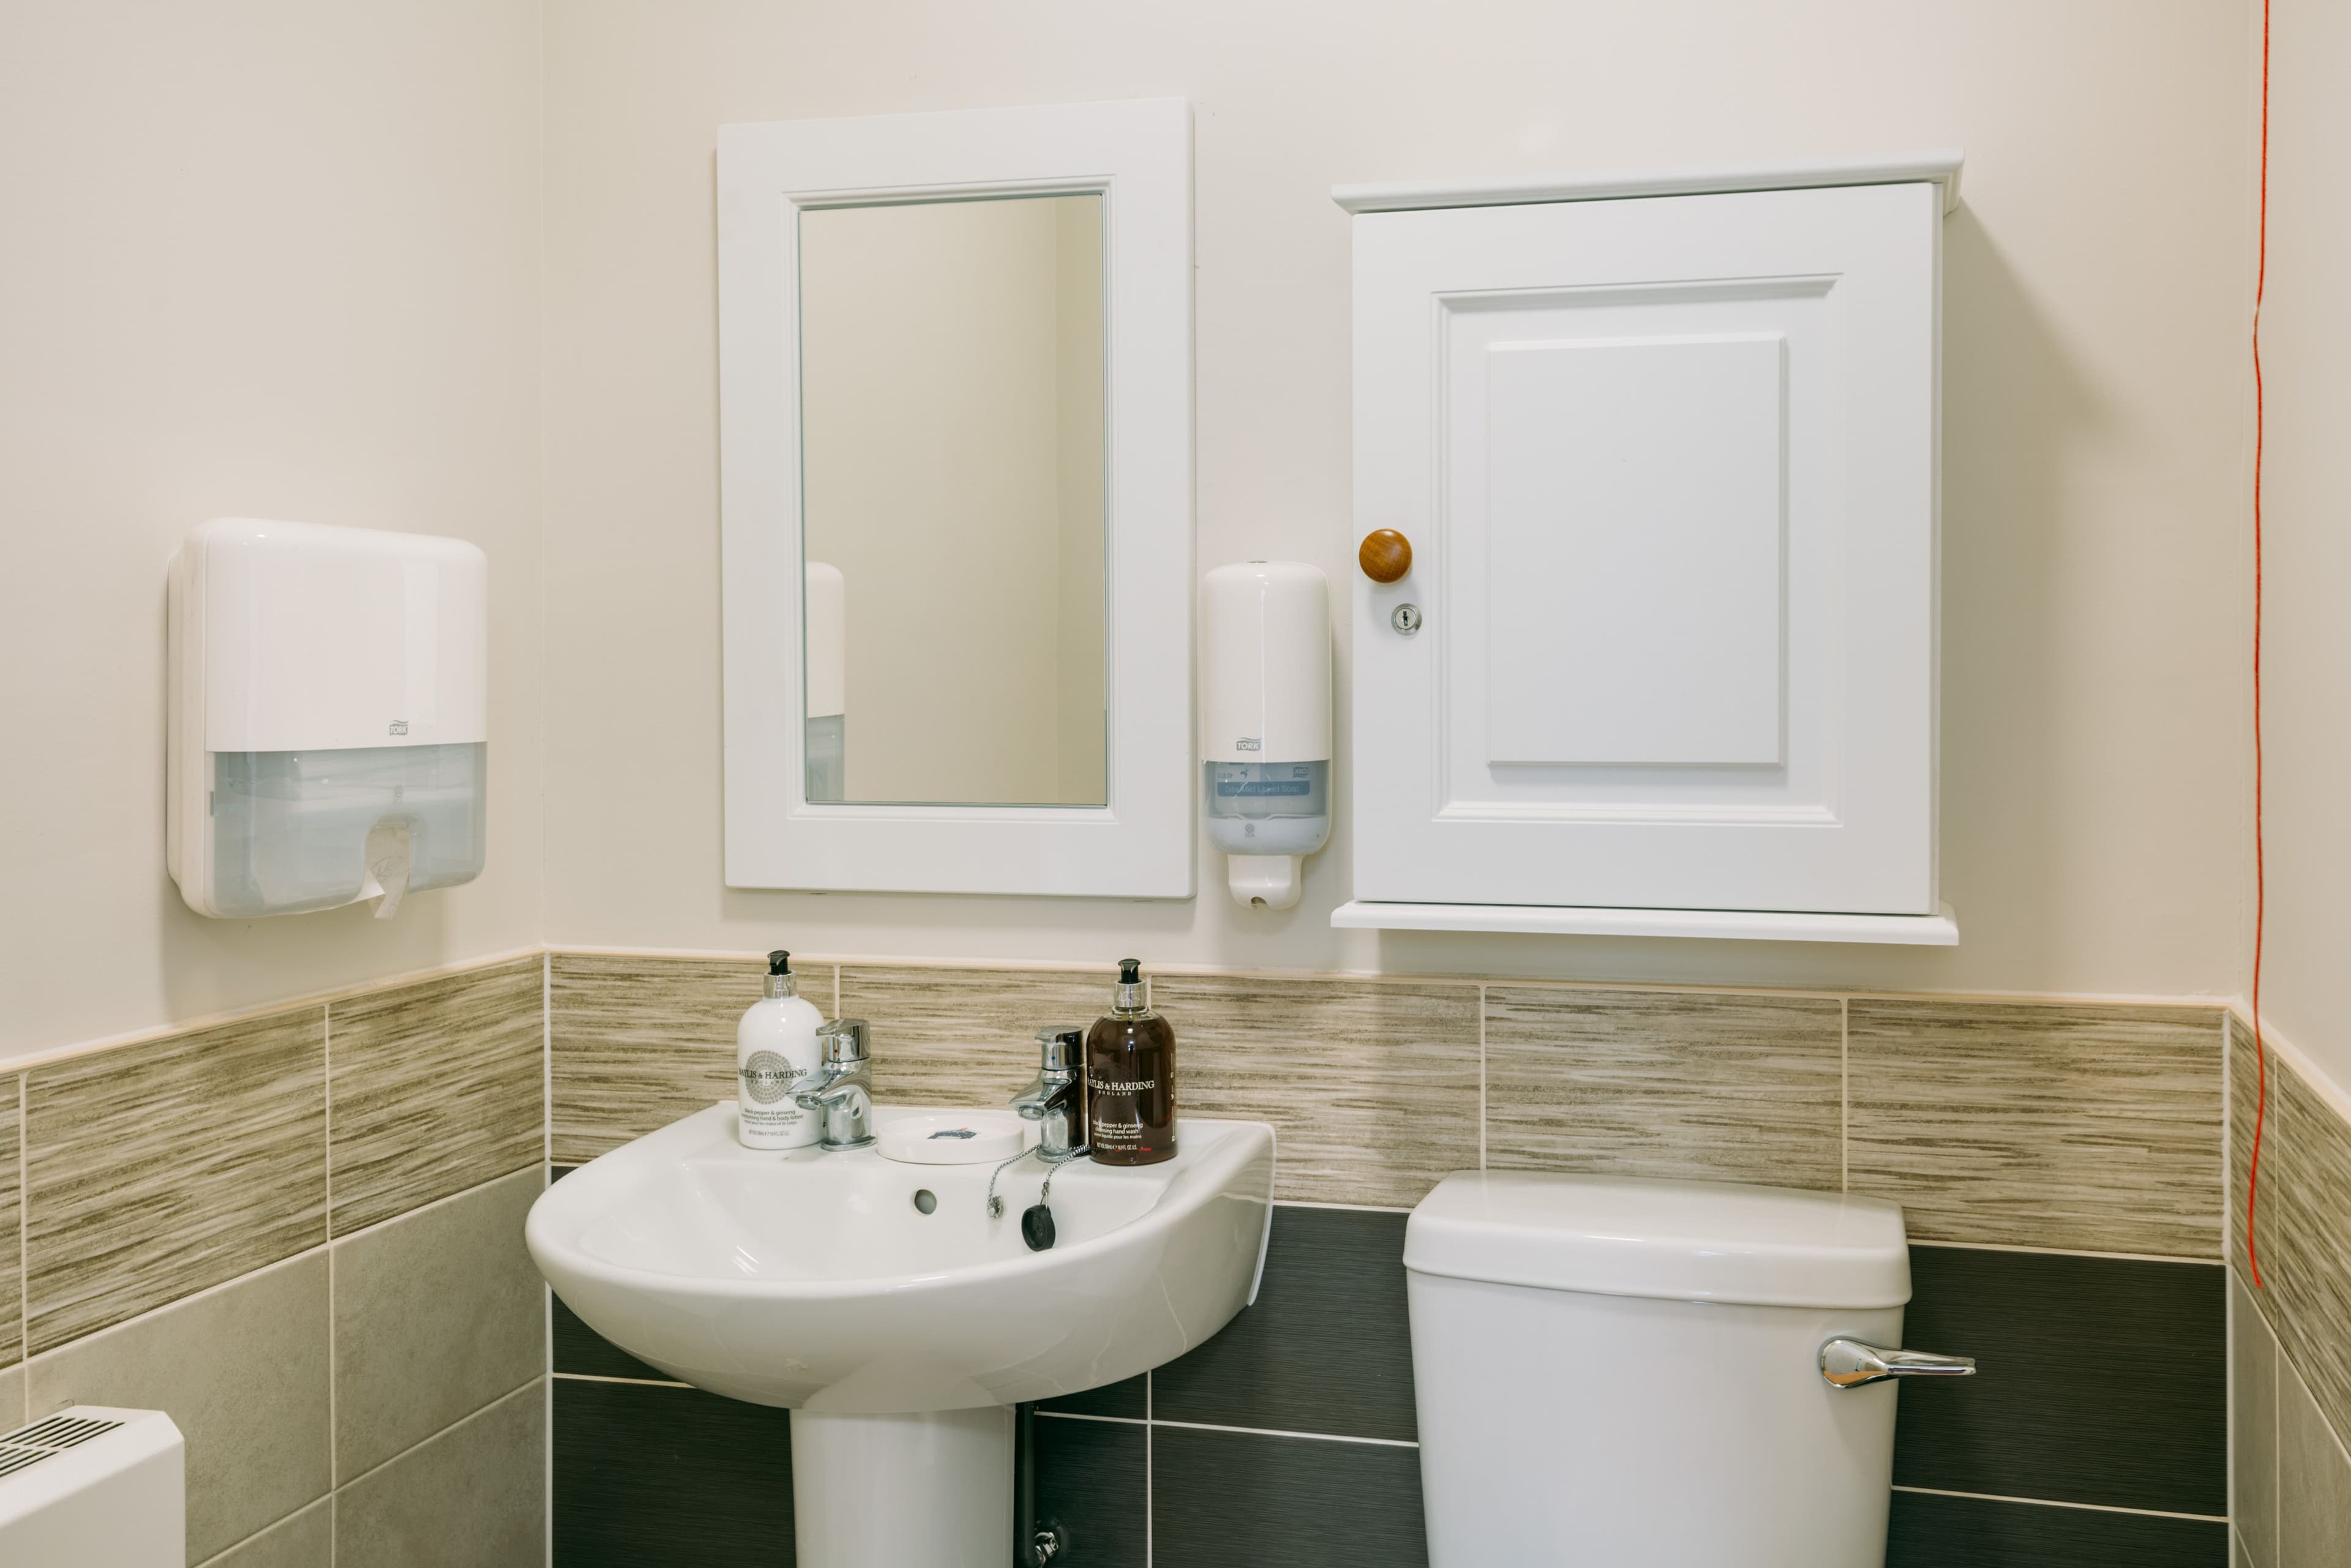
(1667, 466)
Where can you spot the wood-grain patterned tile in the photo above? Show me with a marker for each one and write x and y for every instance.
(1371, 1088)
(162, 1168)
(2086, 1128)
(2306, 1266)
(11, 1217)
(966, 1037)
(1658, 1083)
(2244, 1096)
(637, 1042)
(433, 1087)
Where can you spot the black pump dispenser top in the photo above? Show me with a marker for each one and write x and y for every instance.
(779, 962)
(1130, 970)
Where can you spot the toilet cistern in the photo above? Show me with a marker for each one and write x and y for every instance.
(1719, 1346)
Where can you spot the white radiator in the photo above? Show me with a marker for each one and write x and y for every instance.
(92, 1487)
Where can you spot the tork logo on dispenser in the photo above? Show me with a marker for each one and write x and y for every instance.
(290, 643)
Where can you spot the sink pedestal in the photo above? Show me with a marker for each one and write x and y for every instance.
(893, 1491)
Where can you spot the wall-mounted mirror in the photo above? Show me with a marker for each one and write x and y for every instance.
(954, 355)
(951, 439)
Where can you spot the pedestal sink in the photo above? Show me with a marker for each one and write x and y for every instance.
(898, 1321)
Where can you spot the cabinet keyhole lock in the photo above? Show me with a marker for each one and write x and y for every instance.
(1406, 619)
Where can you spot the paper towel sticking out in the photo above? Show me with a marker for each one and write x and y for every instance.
(388, 861)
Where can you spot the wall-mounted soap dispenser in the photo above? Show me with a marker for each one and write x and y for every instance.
(1265, 722)
(329, 716)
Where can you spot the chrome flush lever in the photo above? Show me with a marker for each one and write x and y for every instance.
(1849, 1363)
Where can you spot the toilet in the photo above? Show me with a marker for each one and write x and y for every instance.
(1619, 1371)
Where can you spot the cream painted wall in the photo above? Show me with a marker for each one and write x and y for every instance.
(2306, 656)
(2094, 796)
(269, 257)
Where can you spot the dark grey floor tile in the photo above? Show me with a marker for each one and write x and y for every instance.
(1091, 1480)
(2103, 1380)
(1219, 1499)
(669, 1476)
(1130, 1398)
(580, 1349)
(1327, 1348)
(1930, 1532)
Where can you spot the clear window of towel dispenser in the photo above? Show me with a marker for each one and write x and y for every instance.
(290, 829)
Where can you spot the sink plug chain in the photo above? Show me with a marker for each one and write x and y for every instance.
(995, 1204)
(1037, 1219)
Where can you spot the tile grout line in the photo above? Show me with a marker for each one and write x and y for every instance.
(25, 1235)
(2277, 1437)
(1150, 1464)
(1845, 1093)
(1279, 1432)
(545, 1291)
(467, 1419)
(630, 1382)
(1147, 1421)
(2190, 1258)
(334, 1430)
(2054, 1503)
(2228, 1135)
(1481, 1077)
(234, 1547)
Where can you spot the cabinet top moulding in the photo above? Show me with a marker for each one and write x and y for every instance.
(1937, 930)
(1939, 167)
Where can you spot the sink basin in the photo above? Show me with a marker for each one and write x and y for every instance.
(842, 1284)
(812, 1278)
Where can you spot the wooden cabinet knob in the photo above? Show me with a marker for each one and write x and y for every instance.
(1386, 555)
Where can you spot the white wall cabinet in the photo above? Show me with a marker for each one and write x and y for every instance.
(1664, 452)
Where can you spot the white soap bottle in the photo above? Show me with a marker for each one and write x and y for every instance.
(775, 1048)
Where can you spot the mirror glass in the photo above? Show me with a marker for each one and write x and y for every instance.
(951, 378)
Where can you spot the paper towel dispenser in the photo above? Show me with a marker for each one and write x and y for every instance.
(329, 716)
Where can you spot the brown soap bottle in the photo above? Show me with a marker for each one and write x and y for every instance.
(1131, 1077)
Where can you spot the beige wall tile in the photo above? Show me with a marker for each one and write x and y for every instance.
(965, 1037)
(433, 1087)
(2252, 1426)
(305, 1540)
(2080, 1127)
(12, 1399)
(11, 1217)
(243, 1371)
(2306, 1265)
(1711, 1088)
(436, 1314)
(156, 1170)
(2314, 1483)
(1371, 1088)
(637, 1043)
(474, 1497)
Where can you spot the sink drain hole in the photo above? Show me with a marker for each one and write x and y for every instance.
(925, 1201)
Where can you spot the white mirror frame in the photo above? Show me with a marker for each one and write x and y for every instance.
(1139, 845)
